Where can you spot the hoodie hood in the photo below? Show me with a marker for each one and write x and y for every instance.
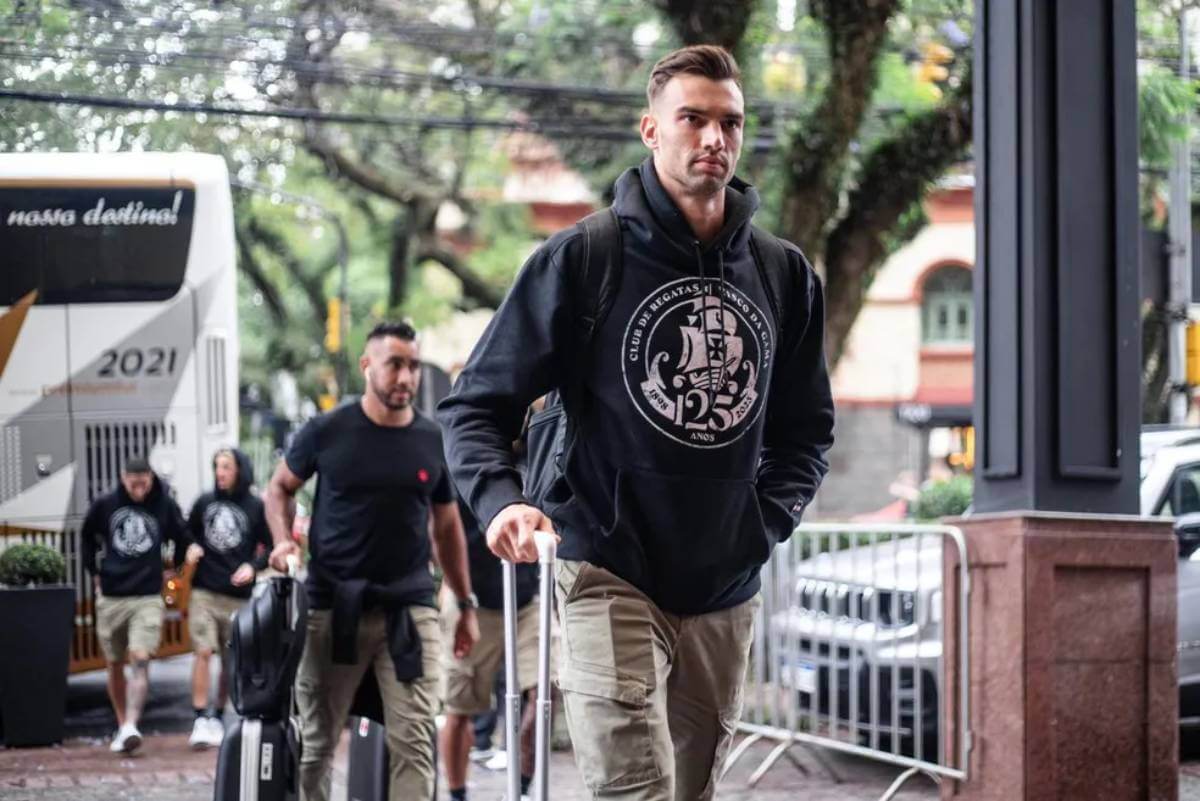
(653, 219)
(245, 475)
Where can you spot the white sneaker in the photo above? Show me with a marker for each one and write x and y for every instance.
(498, 762)
(128, 740)
(199, 739)
(481, 754)
(215, 731)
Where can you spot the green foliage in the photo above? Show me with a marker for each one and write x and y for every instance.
(1162, 101)
(408, 60)
(31, 563)
(948, 498)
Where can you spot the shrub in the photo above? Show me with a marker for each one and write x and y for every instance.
(944, 499)
(31, 563)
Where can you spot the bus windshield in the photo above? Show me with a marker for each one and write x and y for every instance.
(94, 244)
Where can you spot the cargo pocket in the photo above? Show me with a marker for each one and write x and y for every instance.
(429, 628)
(606, 713)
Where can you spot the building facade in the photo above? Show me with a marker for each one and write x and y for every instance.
(903, 386)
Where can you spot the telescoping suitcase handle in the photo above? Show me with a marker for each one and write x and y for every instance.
(546, 546)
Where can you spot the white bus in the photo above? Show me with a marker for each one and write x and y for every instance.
(118, 326)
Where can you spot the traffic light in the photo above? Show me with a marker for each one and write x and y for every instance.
(333, 325)
(1193, 353)
(932, 69)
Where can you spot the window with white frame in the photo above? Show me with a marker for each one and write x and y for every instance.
(947, 309)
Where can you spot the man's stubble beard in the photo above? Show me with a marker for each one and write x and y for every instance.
(382, 397)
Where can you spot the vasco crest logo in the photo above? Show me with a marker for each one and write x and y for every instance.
(224, 526)
(134, 532)
(695, 362)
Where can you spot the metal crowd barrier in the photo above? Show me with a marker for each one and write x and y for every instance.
(849, 651)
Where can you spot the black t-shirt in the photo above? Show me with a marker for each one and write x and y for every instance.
(375, 485)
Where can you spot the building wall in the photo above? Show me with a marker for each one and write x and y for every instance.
(873, 450)
(884, 364)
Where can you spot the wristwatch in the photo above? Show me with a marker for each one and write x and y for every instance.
(470, 602)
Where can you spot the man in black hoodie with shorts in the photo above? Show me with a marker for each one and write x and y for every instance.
(696, 438)
(127, 529)
(226, 527)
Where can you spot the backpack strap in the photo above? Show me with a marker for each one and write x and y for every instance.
(772, 261)
(599, 275)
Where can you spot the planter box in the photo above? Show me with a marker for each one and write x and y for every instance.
(35, 628)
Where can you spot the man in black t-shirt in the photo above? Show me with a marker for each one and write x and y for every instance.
(380, 469)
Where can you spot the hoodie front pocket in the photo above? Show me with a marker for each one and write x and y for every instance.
(698, 534)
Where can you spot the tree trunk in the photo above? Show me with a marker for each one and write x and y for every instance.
(400, 259)
(816, 157)
(703, 22)
(894, 180)
(1156, 386)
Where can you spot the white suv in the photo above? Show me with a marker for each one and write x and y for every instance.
(829, 630)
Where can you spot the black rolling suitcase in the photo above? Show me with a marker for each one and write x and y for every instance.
(367, 775)
(259, 758)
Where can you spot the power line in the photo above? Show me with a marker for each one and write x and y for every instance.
(356, 75)
(558, 129)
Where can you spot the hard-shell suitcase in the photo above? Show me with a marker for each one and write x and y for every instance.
(259, 759)
(367, 774)
(547, 547)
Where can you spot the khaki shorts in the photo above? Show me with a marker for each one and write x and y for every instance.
(470, 682)
(209, 619)
(131, 623)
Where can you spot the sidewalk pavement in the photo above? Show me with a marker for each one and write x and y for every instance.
(165, 769)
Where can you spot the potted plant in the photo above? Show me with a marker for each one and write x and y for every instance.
(36, 614)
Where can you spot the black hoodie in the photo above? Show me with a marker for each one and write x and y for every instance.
(703, 429)
(229, 526)
(131, 536)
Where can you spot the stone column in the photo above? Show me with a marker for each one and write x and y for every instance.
(1073, 692)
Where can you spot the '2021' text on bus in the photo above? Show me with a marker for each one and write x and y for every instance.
(118, 326)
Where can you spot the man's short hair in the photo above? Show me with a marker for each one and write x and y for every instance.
(137, 464)
(399, 330)
(708, 61)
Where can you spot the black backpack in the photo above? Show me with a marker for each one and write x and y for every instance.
(265, 643)
(593, 287)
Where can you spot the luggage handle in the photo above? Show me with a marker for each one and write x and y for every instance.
(547, 548)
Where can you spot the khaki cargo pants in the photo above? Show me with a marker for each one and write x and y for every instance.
(652, 699)
(324, 692)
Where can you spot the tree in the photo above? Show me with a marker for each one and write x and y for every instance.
(848, 212)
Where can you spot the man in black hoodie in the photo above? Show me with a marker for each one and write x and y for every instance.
(127, 529)
(695, 439)
(226, 527)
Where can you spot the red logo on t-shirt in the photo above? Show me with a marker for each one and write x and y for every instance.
(423, 475)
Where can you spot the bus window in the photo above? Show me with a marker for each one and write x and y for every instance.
(102, 244)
